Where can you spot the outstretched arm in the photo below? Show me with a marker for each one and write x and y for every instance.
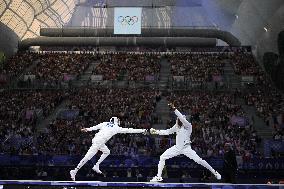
(181, 118)
(131, 130)
(163, 132)
(185, 123)
(96, 127)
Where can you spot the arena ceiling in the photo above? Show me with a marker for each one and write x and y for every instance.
(254, 22)
(25, 17)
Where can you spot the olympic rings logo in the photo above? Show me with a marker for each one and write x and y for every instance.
(127, 20)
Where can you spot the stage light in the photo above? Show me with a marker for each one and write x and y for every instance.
(265, 29)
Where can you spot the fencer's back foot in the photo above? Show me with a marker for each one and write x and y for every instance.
(217, 175)
(73, 174)
(97, 169)
(156, 179)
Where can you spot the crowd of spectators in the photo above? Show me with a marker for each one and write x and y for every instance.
(211, 115)
(115, 66)
(261, 93)
(15, 65)
(53, 66)
(213, 126)
(199, 67)
(20, 111)
(268, 103)
(244, 64)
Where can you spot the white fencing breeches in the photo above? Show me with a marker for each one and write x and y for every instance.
(187, 151)
(104, 149)
(92, 151)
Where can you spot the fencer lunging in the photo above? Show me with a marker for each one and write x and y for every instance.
(183, 130)
(107, 130)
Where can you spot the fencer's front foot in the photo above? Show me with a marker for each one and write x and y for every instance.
(97, 169)
(217, 175)
(156, 179)
(73, 174)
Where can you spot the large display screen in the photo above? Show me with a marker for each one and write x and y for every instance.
(127, 20)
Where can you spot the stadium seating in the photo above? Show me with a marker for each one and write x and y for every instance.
(132, 66)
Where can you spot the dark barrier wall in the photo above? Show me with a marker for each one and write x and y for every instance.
(120, 174)
(142, 161)
(270, 61)
(274, 65)
(255, 170)
(119, 41)
(281, 44)
(146, 32)
(8, 40)
(278, 75)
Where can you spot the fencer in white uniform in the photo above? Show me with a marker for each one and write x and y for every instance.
(107, 130)
(183, 130)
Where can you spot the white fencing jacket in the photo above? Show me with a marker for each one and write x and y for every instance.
(182, 133)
